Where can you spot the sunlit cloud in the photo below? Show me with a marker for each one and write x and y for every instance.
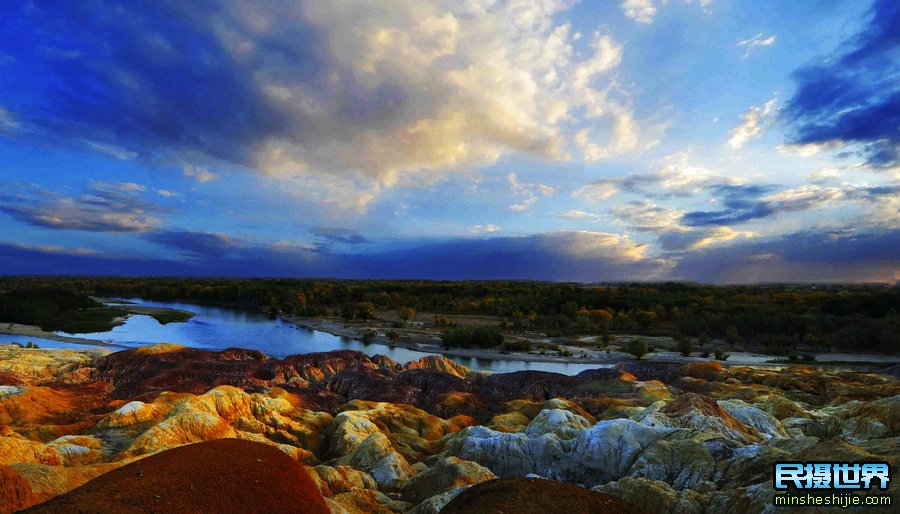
(756, 41)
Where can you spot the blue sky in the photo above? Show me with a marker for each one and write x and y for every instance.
(708, 140)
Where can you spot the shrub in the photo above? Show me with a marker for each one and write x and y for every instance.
(517, 346)
(637, 347)
(809, 357)
(705, 354)
(684, 345)
(463, 337)
(722, 356)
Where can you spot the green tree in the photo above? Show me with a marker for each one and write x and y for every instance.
(684, 345)
(637, 347)
(702, 339)
(732, 336)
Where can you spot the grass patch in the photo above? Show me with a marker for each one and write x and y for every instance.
(101, 319)
(171, 316)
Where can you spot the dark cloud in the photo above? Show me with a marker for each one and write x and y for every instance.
(855, 97)
(106, 207)
(568, 256)
(195, 244)
(745, 203)
(339, 235)
(809, 256)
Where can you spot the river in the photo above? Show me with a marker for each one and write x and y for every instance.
(217, 328)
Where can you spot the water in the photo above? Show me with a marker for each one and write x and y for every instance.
(215, 328)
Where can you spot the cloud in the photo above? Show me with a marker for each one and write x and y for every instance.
(644, 11)
(808, 256)
(106, 207)
(824, 175)
(641, 11)
(565, 256)
(677, 176)
(485, 229)
(339, 235)
(575, 214)
(7, 122)
(528, 191)
(748, 203)
(751, 124)
(718, 236)
(756, 41)
(370, 95)
(166, 193)
(201, 175)
(855, 97)
(205, 245)
(666, 223)
(647, 216)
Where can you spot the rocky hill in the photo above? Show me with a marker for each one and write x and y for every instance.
(378, 436)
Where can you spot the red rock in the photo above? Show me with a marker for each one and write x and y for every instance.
(535, 496)
(15, 493)
(226, 475)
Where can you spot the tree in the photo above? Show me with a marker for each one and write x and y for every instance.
(368, 336)
(347, 312)
(637, 347)
(605, 337)
(365, 311)
(732, 336)
(393, 335)
(684, 345)
(702, 339)
(406, 314)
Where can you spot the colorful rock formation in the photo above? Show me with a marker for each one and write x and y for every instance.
(378, 436)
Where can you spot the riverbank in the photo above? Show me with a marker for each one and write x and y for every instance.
(36, 332)
(579, 354)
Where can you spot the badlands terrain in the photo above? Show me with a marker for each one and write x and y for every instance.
(348, 433)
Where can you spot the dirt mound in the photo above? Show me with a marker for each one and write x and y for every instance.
(534, 495)
(15, 493)
(226, 475)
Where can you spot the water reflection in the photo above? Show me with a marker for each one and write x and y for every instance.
(216, 328)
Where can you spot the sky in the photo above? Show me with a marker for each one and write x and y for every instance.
(717, 141)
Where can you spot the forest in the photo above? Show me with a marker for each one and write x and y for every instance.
(775, 317)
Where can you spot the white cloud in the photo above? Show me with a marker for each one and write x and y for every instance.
(641, 11)
(7, 121)
(166, 193)
(824, 174)
(485, 229)
(808, 150)
(201, 175)
(718, 236)
(445, 87)
(756, 41)
(575, 214)
(647, 216)
(751, 124)
(597, 191)
(528, 191)
(677, 175)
